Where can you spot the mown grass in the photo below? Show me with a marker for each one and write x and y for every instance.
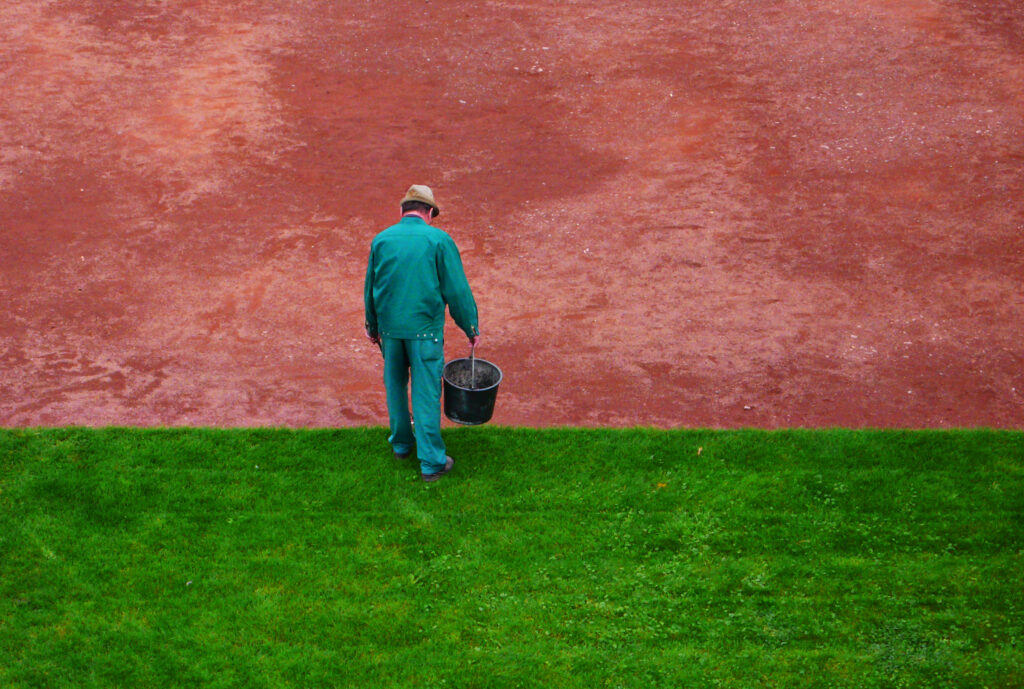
(556, 558)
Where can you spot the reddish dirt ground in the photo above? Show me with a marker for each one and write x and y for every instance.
(705, 214)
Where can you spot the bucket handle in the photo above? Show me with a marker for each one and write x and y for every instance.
(472, 366)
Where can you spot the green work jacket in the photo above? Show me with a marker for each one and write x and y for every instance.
(413, 271)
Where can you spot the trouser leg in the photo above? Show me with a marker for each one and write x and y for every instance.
(396, 384)
(426, 361)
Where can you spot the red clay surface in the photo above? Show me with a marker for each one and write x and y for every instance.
(715, 214)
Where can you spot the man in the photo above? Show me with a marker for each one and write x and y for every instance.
(414, 270)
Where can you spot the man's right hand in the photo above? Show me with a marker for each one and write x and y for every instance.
(474, 341)
(375, 339)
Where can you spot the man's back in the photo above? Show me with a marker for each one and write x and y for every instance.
(414, 270)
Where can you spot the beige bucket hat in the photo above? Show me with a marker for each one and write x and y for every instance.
(423, 194)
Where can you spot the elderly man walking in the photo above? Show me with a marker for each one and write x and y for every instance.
(414, 270)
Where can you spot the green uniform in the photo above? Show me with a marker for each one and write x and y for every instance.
(414, 270)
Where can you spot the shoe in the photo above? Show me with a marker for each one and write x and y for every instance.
(449, 463)
(403, 455)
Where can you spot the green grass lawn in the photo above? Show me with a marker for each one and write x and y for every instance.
(556, 558)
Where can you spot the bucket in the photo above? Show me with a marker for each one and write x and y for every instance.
(470, 388)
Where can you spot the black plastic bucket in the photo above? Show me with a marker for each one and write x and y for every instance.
(469, 393)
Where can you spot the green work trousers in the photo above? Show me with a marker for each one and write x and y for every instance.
(424, 360)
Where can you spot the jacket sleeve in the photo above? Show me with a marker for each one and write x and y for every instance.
(455, 288)
(371, 311)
